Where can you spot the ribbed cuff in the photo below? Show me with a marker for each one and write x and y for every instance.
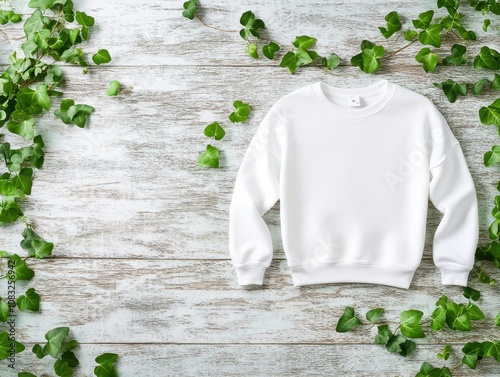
(251, 274)
(454, 276)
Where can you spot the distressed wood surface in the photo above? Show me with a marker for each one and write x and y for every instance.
(141, 264)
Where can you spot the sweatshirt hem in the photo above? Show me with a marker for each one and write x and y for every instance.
(352, 273)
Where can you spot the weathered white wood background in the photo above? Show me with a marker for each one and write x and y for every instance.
(141, 264)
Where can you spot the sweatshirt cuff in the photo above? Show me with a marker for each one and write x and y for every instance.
(250, 274)
(454, 276)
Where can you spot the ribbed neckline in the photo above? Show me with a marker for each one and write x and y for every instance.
(382, 89)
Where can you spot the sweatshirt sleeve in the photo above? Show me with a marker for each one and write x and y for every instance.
(452, 191)
(256, 190)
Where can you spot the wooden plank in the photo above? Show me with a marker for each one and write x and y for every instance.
(258, 360)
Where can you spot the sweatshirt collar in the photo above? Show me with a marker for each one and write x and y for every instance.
(381, 91)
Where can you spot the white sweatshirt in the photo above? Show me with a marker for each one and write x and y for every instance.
(354, 169)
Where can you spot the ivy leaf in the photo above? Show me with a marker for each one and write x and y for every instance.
(251, 25)
(23, 181)
(438, 318)
(471, 293)
(410, 35)
(270, 49)
(486, 23)
(38, 351)
(424, 19)
(240, 115)
(9, 15)
(210, 157)
(62, 368)
(374, 314)
(6, 344)
(428, 59)
(394, 343)
(492, 157)
(55, 338)
(383, 335)
(29, 301)
(451, 89)
(457, 317)
(113, 89)
(487, 58)
(473, 351)
(20, 269)
(251, 50)
(69, 112)
(70, 358)
(106, 366)
(457, 56)
(42, 4)
(35, 245)
(492, 349)
(410, 324)
(495, 84)
(214, 130)
(445, 354)
(34, 23)
(490, 114)
(425, 370)
(26, 374)
(475, 313)
(468, 35)
(497, 319)
(22, 124)
(348, 321)
(407, 347)
(393, 24)
(9, 210)
(190, 9)
(371, 58)
(86, 21)
(431, 35)
(478, 86)
(7, 188)
(4, 311)
(101, 56)
(331, 62)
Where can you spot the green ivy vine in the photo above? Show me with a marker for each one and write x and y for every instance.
(429, 31)
(54, 32)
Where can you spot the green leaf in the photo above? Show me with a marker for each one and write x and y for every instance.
(86, 21)
(424, 19)
(101, 57)
(410, 324)
(240, 115)
(69, 112)
(495, 84)
(22, 124)
(9, 210)
(35, 245)
(20, 269)
(42, 4)
(70, 358)
(270, 49)
(38, 351)
(471, 293)
(190, 9)
(451, 89)
(25, 374)
(492, 157)
(23, 181)
(490, 114)
(425, 370)
(457, 56)
(34, 23)
(6, 346)
(348, 321)
(445, 354)
(457, 317)
(393, 24)
(210, 157)
(4, 311)
(410, 35)
(9, 15)
(29, 301)
(492, 349)
(431, 35)
(383, 335)
(113, 89)
(331, 62)
(7, 188)
(371, 58)
(106, 366)
(438, 318)
(394, 343)
(304, 42)
(487, 59)
(55, 338)
(251, 25)
(62, 368)
(428, 59)
(374, 314)
(407, 347)
(468, 35)
(497, 319)
(214, 130)
(251, 50)
(478, 86)
(475, 313)
(473, 351)
(486, 23)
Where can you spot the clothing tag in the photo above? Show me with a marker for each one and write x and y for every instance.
(353, 100)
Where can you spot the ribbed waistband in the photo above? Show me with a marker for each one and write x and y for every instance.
(344, 272)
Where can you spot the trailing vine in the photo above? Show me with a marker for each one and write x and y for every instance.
(429, 31)
(28, 85)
